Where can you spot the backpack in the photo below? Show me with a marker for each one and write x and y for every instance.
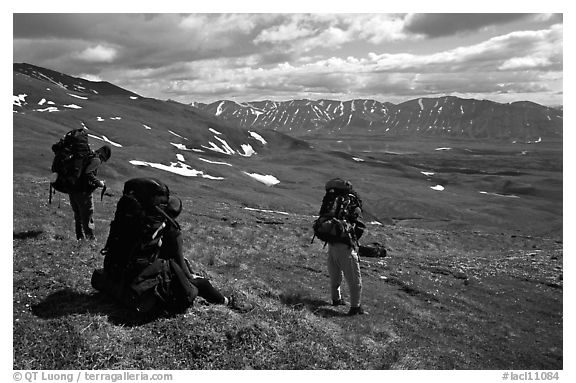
(372, 250)
(136, 230)
(133, 271)
(71, 153)
(336, 222)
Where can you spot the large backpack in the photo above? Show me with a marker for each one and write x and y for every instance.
(136, 230)
(335, 222)
(132, 270)
(71, 155)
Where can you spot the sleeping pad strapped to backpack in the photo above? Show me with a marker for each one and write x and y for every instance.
(133, 271)
(336, 222)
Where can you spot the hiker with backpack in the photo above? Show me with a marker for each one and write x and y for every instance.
(144, 263)
(81, 200)
(75, 167)
(340, 226)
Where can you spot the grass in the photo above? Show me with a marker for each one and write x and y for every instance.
(442, 299)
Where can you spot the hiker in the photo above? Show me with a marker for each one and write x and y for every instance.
(81, 199)
(144, 263)
(340, 226)
(172, 249)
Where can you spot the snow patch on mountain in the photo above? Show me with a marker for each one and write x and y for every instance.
(105, 139)
(219, 109)
(49, 109)
(20, 99)
(266, 211)
(176, 168)
(267, 180)
(214, 162)
(183, 147)
(248, 150)
(258, 137)
(177, 135)
(214, 131)
(76, 96)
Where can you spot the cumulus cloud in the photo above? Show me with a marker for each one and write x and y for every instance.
(478, 67)
(304, 33)
(98, 53)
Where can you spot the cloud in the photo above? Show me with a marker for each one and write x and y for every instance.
(206, 57)
(520, 63)
(98, 53)
(484, 67)
(445, 24)
(304, 33)
(294, 29)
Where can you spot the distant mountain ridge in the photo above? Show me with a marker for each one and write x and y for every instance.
(71, 83)
(443, 116)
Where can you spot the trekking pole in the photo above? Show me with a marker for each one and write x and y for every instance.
(50, 196)
(102, 193)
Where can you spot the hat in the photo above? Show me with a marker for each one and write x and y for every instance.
(104, 152)
(174, 207)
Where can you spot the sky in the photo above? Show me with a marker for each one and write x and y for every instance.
(393, 57)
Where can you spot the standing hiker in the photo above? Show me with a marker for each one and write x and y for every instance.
(81, 200)
(340, 225)
(75, 167)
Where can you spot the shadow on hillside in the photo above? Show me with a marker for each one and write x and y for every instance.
(67, 302)
(316, 306)
(27, 234)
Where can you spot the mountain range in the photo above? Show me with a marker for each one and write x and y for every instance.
(433, 117)
(428, 117)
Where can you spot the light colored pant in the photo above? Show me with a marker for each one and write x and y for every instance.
(343, 260)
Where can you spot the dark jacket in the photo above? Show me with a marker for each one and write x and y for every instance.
(89, 181)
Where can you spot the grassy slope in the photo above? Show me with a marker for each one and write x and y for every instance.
(441, 300)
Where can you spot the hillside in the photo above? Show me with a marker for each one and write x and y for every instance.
(442, 299)
(474, 229)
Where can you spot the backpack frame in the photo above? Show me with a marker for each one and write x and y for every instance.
(334, 223)
(71, 155)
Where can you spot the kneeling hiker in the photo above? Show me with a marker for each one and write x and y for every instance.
(340, 225)
(144, 264)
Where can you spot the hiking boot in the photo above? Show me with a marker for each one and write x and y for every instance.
(236, 305)
(357, 311)
(338, 302)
